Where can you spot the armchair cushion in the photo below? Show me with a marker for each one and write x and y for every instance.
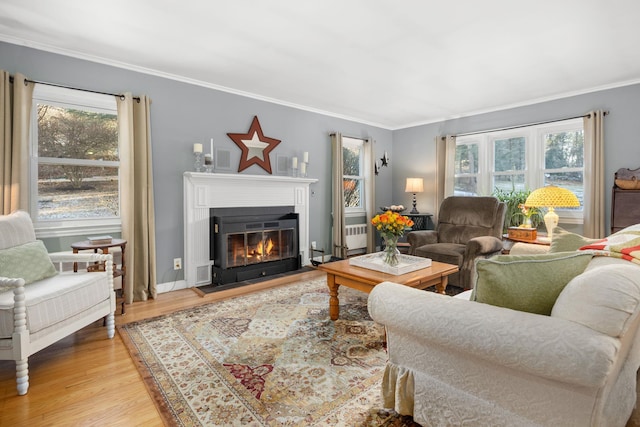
(603, 299)
(529, 283)
(16, 229)
(29, 261)
(450, 253)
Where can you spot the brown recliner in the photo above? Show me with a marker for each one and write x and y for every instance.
(468, 228)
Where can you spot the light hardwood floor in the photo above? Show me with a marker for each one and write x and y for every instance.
(87, 379)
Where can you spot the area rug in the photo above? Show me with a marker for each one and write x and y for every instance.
(271, 358)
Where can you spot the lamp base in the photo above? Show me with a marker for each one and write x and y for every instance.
(414, 211)
(550, 222)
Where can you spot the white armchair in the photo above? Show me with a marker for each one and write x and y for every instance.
(41, 304)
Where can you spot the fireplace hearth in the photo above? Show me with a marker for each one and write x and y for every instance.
(252, 242)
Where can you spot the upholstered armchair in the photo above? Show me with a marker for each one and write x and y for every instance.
(468, 228)
(41, 301)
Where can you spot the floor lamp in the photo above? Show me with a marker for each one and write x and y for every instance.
(414, 185)
(551, 197)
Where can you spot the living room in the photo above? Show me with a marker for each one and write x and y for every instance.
(186, 112)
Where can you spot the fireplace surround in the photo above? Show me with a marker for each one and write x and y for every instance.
(203, 191)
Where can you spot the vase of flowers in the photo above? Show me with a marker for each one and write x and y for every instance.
(391, 226)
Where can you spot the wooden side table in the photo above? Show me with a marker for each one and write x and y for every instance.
(104, 248)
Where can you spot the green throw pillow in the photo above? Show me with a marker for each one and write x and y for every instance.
(29, 261)
(529, 283)
(565, 241)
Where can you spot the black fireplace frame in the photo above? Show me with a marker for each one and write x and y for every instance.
(249, 219)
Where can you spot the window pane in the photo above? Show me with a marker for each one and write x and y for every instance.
(564, 150)
(509, 182)
(509, 154)
(352, 193)
(466, 159)
(351, 160)
(466, 186)
(75, 134)
(77, 192)
(570, 180)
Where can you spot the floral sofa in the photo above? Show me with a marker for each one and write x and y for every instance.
(41, 304)
(546, 339)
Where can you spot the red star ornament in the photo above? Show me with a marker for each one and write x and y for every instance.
(255, 147)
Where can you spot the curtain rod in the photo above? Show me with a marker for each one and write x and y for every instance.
(352, 137)
(526, 125)
(121, 96)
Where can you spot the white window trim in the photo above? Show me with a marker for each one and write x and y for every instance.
(68, 98)
(533, 178)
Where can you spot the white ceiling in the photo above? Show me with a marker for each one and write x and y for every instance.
(389, 63)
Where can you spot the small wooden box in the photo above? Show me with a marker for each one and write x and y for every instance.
(521, 233)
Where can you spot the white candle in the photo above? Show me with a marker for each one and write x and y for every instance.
(197, 148)
(305, 157)
(294, 163)
(211, 147)
(303, 168)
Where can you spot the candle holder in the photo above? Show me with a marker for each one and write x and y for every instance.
(208, 163)
(198, 161)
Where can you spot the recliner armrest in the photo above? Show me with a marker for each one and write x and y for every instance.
(483, 245)
(421, 237)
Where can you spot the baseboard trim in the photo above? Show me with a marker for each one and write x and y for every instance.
(171, 286)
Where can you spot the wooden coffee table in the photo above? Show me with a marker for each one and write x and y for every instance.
(342, 273)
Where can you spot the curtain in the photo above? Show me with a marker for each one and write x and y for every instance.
(16, 99)
(445, 169)
(337, 199)
(138, 218)
(594, 197)
(370, 193)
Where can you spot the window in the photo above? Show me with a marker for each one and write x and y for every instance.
(523, 158)
(75, 174)
(353, 174)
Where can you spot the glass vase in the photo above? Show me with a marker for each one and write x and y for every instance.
(391, 254)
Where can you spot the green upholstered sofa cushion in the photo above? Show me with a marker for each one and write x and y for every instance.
(564, 241)
(29, 261)
(529, 283)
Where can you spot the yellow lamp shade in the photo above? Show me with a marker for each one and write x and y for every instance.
(551, 197)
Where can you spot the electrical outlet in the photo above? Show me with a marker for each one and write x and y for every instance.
(177, 263)
(313, 245)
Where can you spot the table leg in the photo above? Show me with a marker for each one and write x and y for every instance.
(441, 287)
(75, 264)
(334, 303)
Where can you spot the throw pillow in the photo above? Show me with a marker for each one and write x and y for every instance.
(565, 241)
(29, 261)
(602, 298)
(529, 283)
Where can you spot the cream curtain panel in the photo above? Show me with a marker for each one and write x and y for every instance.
(445, 169)
(370, 193)
(138, 218)
(16, 99)
(594, 192)
(337, 200)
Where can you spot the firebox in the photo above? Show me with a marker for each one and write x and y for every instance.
(247, 243)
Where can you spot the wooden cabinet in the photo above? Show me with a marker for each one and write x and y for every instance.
(625, 208)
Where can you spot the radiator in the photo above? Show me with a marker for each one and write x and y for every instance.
(356, 236)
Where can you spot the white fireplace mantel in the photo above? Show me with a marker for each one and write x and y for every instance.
(203, 191)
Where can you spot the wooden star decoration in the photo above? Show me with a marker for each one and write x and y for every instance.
(255, 147)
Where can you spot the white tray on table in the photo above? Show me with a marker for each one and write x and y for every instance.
(407, 264)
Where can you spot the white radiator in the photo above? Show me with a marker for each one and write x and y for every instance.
(356, 237)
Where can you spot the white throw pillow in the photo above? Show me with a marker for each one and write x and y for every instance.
(603, 299)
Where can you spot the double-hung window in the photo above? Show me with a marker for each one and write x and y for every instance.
(523, 159)
(353, 175)
(75, 164)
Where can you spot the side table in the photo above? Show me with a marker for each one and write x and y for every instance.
(421, 221)
(104, 248)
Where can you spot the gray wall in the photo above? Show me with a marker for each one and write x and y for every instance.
(415, 151)
(182, 114)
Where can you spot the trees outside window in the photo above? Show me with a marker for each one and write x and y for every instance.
(352, 173)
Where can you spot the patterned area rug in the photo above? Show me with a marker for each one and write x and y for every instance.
(271, 358)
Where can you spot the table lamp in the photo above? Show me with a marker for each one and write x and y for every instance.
(551, 197)
(414, 185)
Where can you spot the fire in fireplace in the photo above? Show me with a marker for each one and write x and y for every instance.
(247, 243)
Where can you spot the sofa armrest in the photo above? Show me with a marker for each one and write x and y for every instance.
(421, 237)
(535, 344)
(61, 258)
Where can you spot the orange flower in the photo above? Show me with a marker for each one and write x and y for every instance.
(391, 223)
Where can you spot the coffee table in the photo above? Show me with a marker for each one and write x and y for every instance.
(341, 273)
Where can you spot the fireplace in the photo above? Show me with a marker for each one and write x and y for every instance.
(251, 242)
